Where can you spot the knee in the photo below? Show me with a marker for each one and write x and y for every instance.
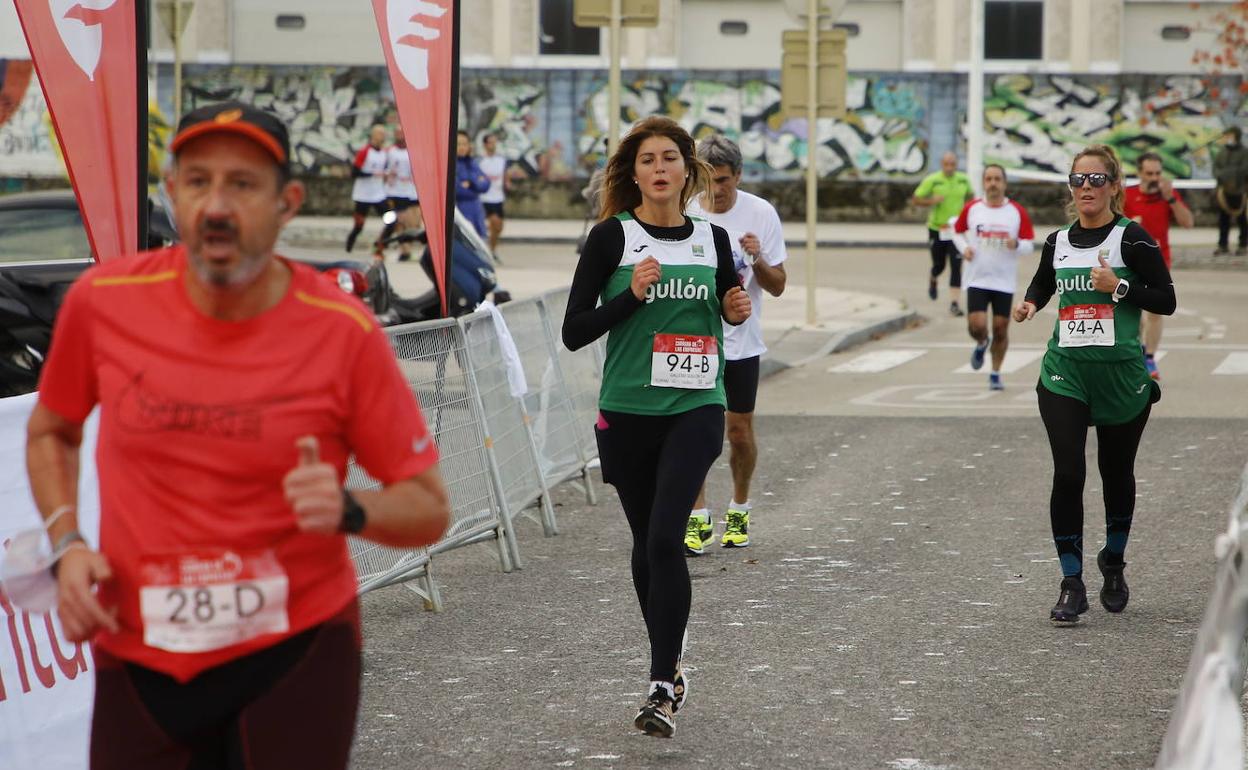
(1069, 477)
(741, 436)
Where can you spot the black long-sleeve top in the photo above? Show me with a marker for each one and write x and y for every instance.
(585, 320)
(1154, 292)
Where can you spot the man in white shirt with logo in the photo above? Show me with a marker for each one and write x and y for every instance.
(758, 254)
(992, 233)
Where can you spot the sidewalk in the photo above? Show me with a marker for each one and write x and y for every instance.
(844, 318)
(1192, 248)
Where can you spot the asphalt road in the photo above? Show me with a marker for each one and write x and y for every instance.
(891, 613)
(893, 609)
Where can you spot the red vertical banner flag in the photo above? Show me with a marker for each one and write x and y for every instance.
(84, 53)
(418, 38)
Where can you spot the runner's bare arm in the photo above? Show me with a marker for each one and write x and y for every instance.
(771, 277)
(407, 514)
(52, 452)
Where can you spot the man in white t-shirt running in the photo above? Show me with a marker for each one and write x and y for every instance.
(401, 192)
(992, 233)
(494, 166)
(758, 253)
(368, 191)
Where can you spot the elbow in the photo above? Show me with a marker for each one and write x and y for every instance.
(571, 340)
(777, 289)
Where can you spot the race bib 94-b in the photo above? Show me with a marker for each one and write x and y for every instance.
(684, 361)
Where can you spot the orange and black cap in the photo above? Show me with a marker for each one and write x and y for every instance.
(237, 118)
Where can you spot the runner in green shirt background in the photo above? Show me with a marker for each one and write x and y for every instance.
(946, 191)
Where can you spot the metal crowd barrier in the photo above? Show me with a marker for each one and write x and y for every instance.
(1207, 726)
(501, 452)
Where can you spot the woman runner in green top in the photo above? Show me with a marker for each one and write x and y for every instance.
(664, 281)
(1105, 269)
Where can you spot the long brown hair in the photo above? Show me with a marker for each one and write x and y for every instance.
(1113, 169)
(619, 189)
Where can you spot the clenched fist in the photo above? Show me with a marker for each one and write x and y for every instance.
(645, 274)
(736, 305)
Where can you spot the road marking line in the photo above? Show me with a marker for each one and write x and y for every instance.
(876, 361)
(1014, 360)
(1234, 363)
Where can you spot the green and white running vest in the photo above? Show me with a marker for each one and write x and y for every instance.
(1090, 325)
(668, 357)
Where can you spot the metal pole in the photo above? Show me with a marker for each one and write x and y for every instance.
(613, 78)
(141, 96)
(975, 98)
(812, 140)
(177, 60)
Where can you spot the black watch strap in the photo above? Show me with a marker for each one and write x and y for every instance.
(352, 514)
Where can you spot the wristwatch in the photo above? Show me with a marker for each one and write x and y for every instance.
(1171, 200)
(352, 515)
(1121, 289)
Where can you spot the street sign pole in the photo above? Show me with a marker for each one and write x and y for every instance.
(975, 98)
(812, 141)
(613, 79)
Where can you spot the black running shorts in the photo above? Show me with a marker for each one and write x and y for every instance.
(289, 705)
(979, 300)
(741, 384)
(362, 208)
(494, 209)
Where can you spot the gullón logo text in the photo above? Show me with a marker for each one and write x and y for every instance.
(1077, 283)
(677, 288)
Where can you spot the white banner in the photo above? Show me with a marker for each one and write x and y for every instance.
(46, 683)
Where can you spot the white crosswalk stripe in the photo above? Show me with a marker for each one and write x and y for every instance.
(1014, 360)
(1234, 363)
(877, 361)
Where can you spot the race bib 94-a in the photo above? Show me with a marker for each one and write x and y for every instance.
(1081, 326)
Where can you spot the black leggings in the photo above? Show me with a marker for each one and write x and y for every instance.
(657, 464)
(1066, 420)
(942, 251)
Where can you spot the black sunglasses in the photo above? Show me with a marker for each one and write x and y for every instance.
(1096, 180)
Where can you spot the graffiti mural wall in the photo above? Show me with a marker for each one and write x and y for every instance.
(1039, 122)
(884, 134)
(552, 123)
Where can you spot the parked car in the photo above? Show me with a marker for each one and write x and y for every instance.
(44, 248)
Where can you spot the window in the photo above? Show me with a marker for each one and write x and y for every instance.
(558, 35)
(734, 28)
(1013, 29)
(851, 28)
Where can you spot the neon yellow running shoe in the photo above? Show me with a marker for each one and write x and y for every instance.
(698, 532)
(737, 535)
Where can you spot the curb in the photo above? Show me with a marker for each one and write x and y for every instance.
(843, 341)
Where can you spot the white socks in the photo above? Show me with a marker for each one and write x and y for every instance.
(702, 513)
(734, 505)
(667, 687)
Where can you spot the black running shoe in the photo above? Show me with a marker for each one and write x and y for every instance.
(955, 311)
(655, 716)
(931, 289)
(1072, 602)
(1114, 594)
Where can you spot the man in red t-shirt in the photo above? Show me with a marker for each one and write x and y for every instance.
(233, 385)
(1152, 203)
